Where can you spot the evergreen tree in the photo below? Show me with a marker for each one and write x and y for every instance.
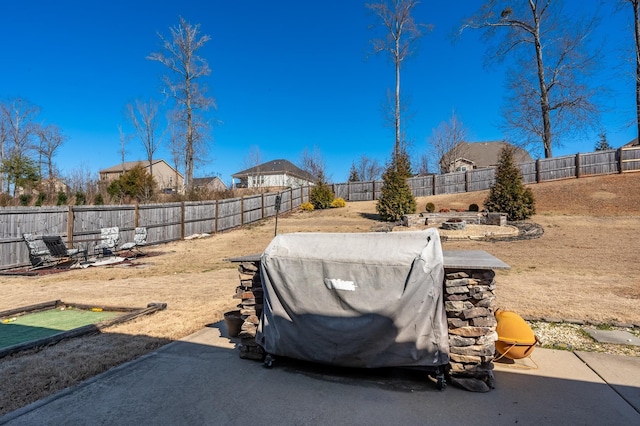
(353, 173)
(508, 194)
(396, 198)
(603, 143)
(62, 198)
(135, 183)
(321, 195)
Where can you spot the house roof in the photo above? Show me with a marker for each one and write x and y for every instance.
(633, 142)
(487, 154)
(276, 167)
(204, 181)
(131, 164)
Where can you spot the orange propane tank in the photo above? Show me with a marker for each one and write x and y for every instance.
(515, 338)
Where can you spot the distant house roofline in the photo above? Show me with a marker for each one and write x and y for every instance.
(275, 167)
(484, 154)
(128, 165)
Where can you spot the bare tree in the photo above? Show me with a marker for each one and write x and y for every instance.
(368, 169)
(181, 57)
(20, 126)
(313, 163)
(401, 34)
(144, 117)
(18, 132)
(447, 143)
(635, 5)
(549, 95)
(423, 168)
(4, 140)
(50, 138)
(254, 159)
(176, 148)
(124, 138)
(81, 179)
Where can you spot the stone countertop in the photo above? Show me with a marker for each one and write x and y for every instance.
(453, 259)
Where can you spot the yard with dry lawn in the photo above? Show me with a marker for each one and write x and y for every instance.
(585, 266)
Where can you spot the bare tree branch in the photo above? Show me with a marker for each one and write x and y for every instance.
(448, 145)
(548, 92)
(402, 33)
(51, 138)
(313, 163)
(144, 117)
(187, 67)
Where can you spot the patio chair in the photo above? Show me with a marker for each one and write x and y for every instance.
(139, 240)
(38, 255)
(58, 249)
(109, 238)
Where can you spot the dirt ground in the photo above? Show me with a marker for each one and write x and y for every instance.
(585, 266)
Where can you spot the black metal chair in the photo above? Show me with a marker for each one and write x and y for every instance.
(59, 250)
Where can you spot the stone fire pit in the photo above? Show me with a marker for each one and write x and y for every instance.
(454, 224)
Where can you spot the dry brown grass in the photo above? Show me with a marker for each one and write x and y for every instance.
(585, 266)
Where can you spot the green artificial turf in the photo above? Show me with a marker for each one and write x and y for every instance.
(38, 325)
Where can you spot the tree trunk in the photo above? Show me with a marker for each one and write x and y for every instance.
(637, 39)
(544, 93)
(397, 106)
(189, 148)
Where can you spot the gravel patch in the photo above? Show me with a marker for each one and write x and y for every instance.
(572, 337)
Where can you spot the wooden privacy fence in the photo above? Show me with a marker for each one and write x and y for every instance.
(174, 221)
(80, 225)
(543, 170)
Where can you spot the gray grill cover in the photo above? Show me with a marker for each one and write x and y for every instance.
(357, 300)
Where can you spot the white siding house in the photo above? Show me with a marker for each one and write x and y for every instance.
(280, 173)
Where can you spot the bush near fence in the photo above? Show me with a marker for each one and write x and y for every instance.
(174, 221)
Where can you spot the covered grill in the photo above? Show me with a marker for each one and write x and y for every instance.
(356, 300)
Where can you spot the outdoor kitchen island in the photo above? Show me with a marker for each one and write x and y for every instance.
(468, 299)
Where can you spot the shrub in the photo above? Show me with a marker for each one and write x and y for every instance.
(135, 183)
(430, 207)
(474, 207)
(25, 199)
(98, 200)
(307, 207)
(321, 196)
(508, 194)
(338, 202)
(62, 199)
(42, 197)
(81, 199)
(5, 199)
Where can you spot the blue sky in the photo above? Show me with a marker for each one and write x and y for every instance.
(286, 75)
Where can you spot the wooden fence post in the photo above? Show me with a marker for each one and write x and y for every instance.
(215, 226)
(182, 216)
(70, 226)
(466, 181)
(136, 215)
(290, 199)
(538, 170)
(620, 152)
(242, 210)
(262, 205)
(578, 165)
(433, 181)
